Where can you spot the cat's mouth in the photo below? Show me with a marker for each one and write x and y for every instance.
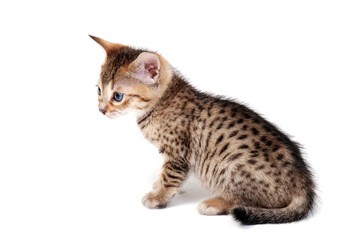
(112, 115)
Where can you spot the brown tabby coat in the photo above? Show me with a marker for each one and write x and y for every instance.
(255, 171)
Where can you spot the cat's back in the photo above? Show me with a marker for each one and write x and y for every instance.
(236, 147)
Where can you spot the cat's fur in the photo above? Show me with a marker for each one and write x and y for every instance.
(255, 172)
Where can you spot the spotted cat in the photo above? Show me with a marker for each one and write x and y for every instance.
(255, 172)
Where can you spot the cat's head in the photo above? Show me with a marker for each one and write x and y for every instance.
(130, 79)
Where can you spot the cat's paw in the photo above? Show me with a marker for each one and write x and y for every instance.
(205, 209)
(214, 206)
(153, 200)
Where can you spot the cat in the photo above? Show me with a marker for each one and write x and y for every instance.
(255, 171)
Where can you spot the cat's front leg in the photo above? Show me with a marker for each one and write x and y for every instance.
(174, 173)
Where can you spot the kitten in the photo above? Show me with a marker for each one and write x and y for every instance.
(255, 172)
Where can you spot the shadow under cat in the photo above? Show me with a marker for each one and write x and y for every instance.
(192, 192)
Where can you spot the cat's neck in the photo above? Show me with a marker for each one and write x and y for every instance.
(175, 84)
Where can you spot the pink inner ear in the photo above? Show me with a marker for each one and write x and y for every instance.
(147, 67)
(153, 70)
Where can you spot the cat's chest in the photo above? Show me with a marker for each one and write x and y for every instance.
(153, 134)
(171, 137)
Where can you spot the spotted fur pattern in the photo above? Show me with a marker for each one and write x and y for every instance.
(255, 171)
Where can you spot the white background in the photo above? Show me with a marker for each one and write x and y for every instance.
(67, 172)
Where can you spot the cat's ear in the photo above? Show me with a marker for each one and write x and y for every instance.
(108, 46)
(146, 68)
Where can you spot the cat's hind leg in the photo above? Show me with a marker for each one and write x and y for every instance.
(215, 206)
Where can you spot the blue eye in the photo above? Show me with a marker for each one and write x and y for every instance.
(99, 91)
(118, 96)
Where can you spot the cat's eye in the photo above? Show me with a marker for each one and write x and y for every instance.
(99, 91)
(118, 96)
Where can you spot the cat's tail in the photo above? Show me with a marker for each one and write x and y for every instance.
(296, 210)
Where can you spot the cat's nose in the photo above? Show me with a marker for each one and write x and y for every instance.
(102, 110)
